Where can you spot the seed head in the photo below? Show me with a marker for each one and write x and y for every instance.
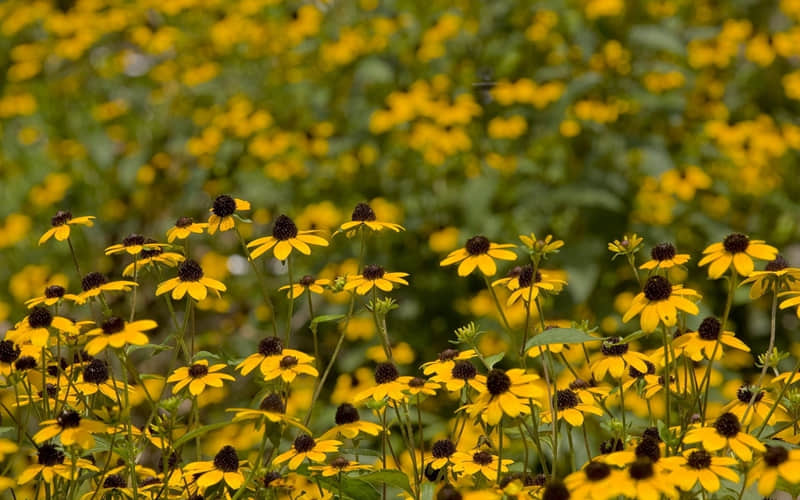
(736, 243)
(657, 288)
(284, 228)
(226, 459)
(224, 206)
(477, 245)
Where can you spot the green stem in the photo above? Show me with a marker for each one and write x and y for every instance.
(667, 373)
(135, 280)
(262, 283)
(773, 316)
(291, 301)
(314, 329)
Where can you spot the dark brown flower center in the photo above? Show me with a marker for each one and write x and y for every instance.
(709, 329)
(363, 212)
(186, 221)
(745, 394)
(775, 455)
(477, 245)
(69, 419)
(448, 355)
(9, 352)
(270, 477)
(651, 369)
(273, 403)
(373, 272)
(777, 264)
(497, 382)
(339, 463)
(307, 280)
(657, 288)
(464, 370)
(385, 373)
(566, 399)
(198, 370)
(663, 251)
(596, 471)
(578, 384)
(651, 433)
(189, 270)
(611, 347)
(25, 363)
(40, 317)
(54, 292)
(641, 469)
(482, 458)
(96, 372)
(699, 459)
(133, 240)
(416, 382)
(48, 455)
(114, 481)
(735, 243)
(304, 443)
(648, 448)
(224, 206)
(728, 425)
(526, 277)
(443, 448)
(113, 324)
(555, 490)
(270, 346)
(227, 460)
(346, 414)
(288, 362)
(93, 280)
(284, 228)
(60, 218)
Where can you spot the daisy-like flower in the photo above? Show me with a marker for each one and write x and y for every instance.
(35, 327)
(736, 249)
(272, 408)
(307, 282)
(477, 460)
(61, 223)
(442, 451)
(117, 333)
(615, 358)
(113, 486)
(192, 280)
(338, 465)
(52, 295)
(389, 384)
(526, 286)
(305, 447)
(507, 393)
(776, 276)
(700, 344)
(792, 299)
(198, 377)
(285, 237)
(759, 409)
(701, 466)
(659, 302)
(726, 433)
(94, 283)
(269, 355)
(777, 463)
(150, 257)
(71, 428)
(462, 373)
(595, 481)
(571, 407)
(628, 245)
(542, 247)
(290, 367)
(222, 211)
(224, 467)
(418, 385)
(650, 447)
(133, 245)
(374, 276)
(350, 425)
(51, 462)
(364, 216)
(184, 227)
(479, 252)
(9, 354)
(644, 482)
(446, 360)
(664, 256)
(96, 378)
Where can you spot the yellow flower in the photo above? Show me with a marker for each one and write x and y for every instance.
(571, 406)
(364, 216)
(758, 411)
(133, 245)
(115, 485)
(96, 378)
(596, 481)
(616, 357)
(544, 247)
(479, 252)
(793, 300)
(198, 377)
(659, 302)
(34, 328)
(190, 279)
(150, 257)
(646, 482)
(700, 465)
(116, 332)
(526, 286)
(224, 467)
(307, 282)
(776, 463)
(389, 384)
(71, 428)
(664, 256)
(269, 355)
(418, 385)
(726, 433)
(700, 344)
(462, 373)
(736, 249)
(61, 223)
(446, 361)
(52, 295)
(94, 283)
(221, 217)
(305, 446)
(184, 227)
(629, 245)
(374, 276)
(350, 425)
(290, 367)
(337, 466)
(477, 460)
(285, 237)
(507, 393)
(51, 462)
(776, 277)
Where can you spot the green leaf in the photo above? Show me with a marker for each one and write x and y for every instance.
(390, 478)
(560, 336)
(205, 355)
(634, 336)
(198, 432)
(352, 488)
(324, 319)
(428, 491)
(494, 359)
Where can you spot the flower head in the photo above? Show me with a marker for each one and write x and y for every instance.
(659, 302)
(374, 277)
(285, 237)
(664, 256)
(61, 223)
(199, 376)
(190, 279)
(507, 393)
(306, 447)
(222, 213)
(364, 216)
(736, 249)
(479, 252)
(184, 227)
(224, 467)
(117, 333)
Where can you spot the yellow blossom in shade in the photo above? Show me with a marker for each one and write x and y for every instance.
(659, 303)
(198, 377)
(150, 257)
(374, 276)
(364, 216)
(52, 295)
(222, 212)
(183, 228)
(272, 408)
(664, 256)
(51, 462)
(474, 461)
(34, 328)
(462, 373)
(758, 411)
(116, 332)
(269, 355)
(224, 467)
(133, 245)
(307, 282)
(571, 406)
(338, 466)
(61, 223)
(526, 286)
(644, 481)
(775, 464)
(544, 247)
(71, 428)
(305, 447)
(616, 357)
(96, 378)
(736, 249)
(776, 277)
(702, 343)
(628, 245)
(507, 393)
(285, 237)
(419, 386)
(7, 447)
(479, 252)
(192, 280)
(350, 425)
(790, 299)
(290, 367)
(446, 361)
(596, 480)
(726, 432)
(389, 384)
(94, 283)
(699, 465)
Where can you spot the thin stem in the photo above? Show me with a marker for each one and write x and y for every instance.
(707, 378)
(314, 329)
(667, 372)
(291, 300)
(135, 280)
(500, 451)
(261, 281)
(774, 313)
(622, 408)
(497, 304)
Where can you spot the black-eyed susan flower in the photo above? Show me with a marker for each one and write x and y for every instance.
(35, 327)
(664, 256)
(306, 283)
(192, 280)
(726, 432)
(113, 486)
(224, 467)
(222, 211)
(272, 408)
(419, 386)
(50, 463)
(364, 216)
(701, 466)
(150, 257)
(350, 425)
(736, 249)
(628, 245)
(790, 299)
(269, 355)
(474, 461)
(659, 302)
(644, 482)
(198, 377)
(374, 276)
(305, 447)
(389, 384)
(441, 451)
(616, 357)
(285, 237)
(446, 360)
(61, 223)
(596, 480)
(762, 405)
(71, 428)
(777, 463)
(338, 465)
(133, 245)
(183, 228)
(117, 333)
(700, 344)
(569, 406)
(52, 295)
(94, 283)
(776, 276)
(479, 252)
(542, 247)
(526, 286)
(462, 373)
(507, 393)
(96, 378)
(9, 353)
(290, 367)
(650, 447)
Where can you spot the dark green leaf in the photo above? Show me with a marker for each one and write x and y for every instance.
(390, 478)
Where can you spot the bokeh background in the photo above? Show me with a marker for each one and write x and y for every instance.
(587, 119)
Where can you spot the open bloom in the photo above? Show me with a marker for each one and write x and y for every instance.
(222, 211)
(305, 446)
(616, 357)
(350, 425)
(290, 367)
(726, 433)
(775, 277)
(133, 245)
(507, 393)
(389, 384)
(150, 257)
(52, 295)
(224, 467)
(526, 286)
(192, 280)
(700, 466)
(184, 227)
(94, 283)
(116, 332)
(34, 328)
(307, 282)
(269, 355)
(199, 376)
(285, 237)
(700, 344)
(374, 276)
(736, 249)
(364, 216)
(644, 481)
(338, 466)
(776, 463)
(477, 460)
(664, 256)
(479, 252)
(61, 223)
(758, 411)
(572, 407)
(51, 462)
(659, 303)
(71, 428)
(595, 481)
(462, 373)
